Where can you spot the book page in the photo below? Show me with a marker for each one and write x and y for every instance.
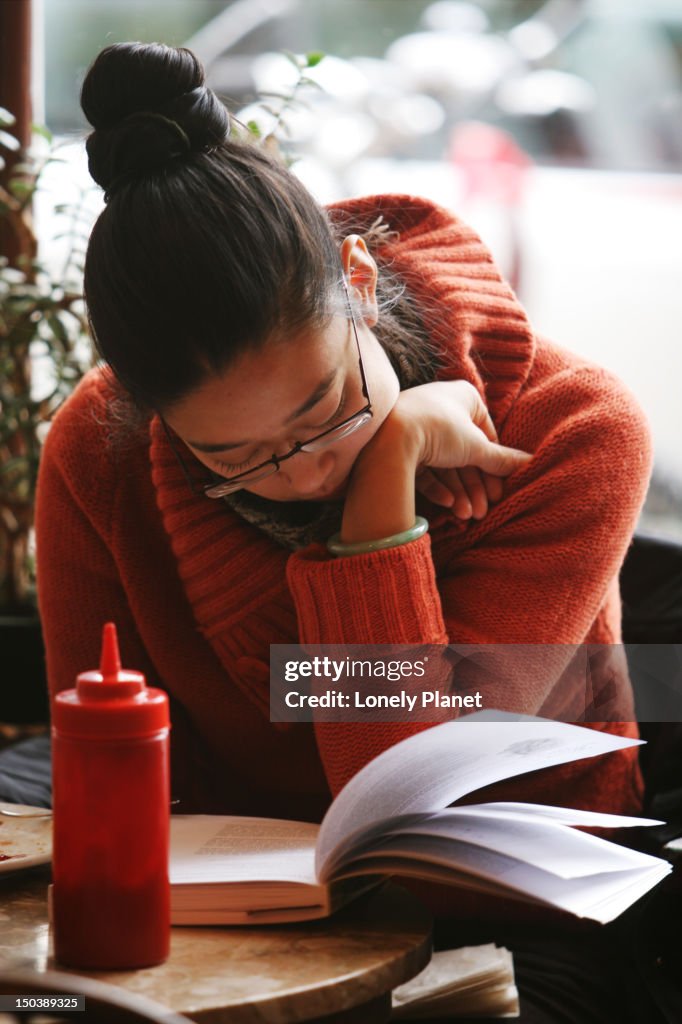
(207, 848)
(438, 766)
(600, 896)
(527, 827)
(564, 815)
(552, 846)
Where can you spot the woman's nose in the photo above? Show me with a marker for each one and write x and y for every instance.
(308, 472)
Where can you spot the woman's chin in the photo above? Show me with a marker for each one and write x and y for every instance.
(333, 494)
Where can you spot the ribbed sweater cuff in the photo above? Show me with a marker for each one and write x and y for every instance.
(383, 597)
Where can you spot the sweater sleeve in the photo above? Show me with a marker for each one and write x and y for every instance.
(79, 586)
(75, 570)
(536, 570)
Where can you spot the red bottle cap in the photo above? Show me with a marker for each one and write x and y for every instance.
(110, 702)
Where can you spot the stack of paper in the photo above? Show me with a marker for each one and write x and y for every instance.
(475, 981)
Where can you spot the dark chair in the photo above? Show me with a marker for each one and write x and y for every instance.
(651, 589)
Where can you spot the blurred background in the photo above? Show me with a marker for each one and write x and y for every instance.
(553, 126)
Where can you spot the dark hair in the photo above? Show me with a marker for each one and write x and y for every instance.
(208, 246)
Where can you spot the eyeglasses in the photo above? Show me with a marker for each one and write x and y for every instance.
(230, 484)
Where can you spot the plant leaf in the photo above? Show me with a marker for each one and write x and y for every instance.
(311, 83)
(24, 168)
(58, 329)
(314, 58)
(273, 95)
(40, 129)
(9, 141)
(21, 189)
(18, 462)
(6, 119)
(293, 59)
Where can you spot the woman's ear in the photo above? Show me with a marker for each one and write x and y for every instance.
(360, 271)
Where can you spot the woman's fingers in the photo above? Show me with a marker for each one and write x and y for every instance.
(468, 491)
(494, 486)
(481, 488)
(445, 488)
(483, 421)
(463, 463)
(428, 484)
(494, 459)
(472, 480)
(463, 490)
(498, 460)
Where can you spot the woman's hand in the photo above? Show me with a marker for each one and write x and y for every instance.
(461, 464)
(468, 491)
(437, 438)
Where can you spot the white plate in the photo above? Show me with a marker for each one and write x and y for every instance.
(24, 842)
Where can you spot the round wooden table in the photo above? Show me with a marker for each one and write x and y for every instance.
(337, 970)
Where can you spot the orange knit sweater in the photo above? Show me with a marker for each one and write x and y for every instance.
(199, 595)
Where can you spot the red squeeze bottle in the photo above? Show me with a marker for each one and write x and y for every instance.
(111, 806)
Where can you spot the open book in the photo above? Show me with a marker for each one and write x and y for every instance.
(395, 818)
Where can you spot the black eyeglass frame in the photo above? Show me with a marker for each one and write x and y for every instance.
(223, 486)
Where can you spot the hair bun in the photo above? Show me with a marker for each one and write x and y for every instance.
(149, 106)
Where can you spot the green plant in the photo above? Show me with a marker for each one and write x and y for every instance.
(278, 105)
(44, 350)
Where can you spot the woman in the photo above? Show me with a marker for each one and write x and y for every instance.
(259, 398)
